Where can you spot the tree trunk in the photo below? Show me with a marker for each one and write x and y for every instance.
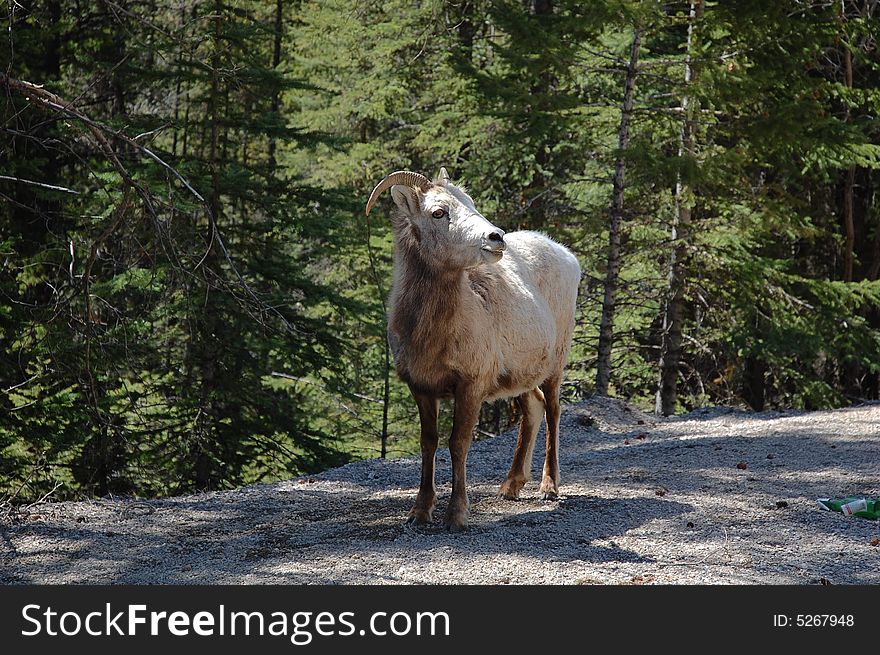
(32, 225)
(386, 373)
(874, 269)
(535, 216)
(276, 61)
(670, 347)
(178, 87)
(207, 351)
(386, 399)
(754, 386)
(849, 224)
(606, 325)
(466, 29)
(849, 183)
(543, 7)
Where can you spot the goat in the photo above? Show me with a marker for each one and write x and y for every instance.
(476, 315)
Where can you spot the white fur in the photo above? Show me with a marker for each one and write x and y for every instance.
(520, 327)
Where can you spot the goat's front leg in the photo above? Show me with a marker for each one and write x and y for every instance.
(467, 411)
(429, 407)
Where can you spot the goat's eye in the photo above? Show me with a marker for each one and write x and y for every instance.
(438, 213)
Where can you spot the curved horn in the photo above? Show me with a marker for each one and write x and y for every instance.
(398, 177)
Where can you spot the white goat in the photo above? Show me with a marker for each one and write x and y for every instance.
(476, 315)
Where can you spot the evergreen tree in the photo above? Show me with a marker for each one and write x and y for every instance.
(191, 297)
(179, 289)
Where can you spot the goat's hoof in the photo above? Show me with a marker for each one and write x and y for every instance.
(510, 489)
(457, 525)
(548, 489)
(456, 521)
(419, 516)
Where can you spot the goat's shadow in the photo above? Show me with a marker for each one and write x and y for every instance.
(574, 528)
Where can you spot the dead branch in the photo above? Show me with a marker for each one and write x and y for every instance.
(43, 185)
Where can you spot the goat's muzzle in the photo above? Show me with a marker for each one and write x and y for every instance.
(493, 249)
(494, 242)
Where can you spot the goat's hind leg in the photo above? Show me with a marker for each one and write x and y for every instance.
(531, 405)
(422, 511)
(550, 478)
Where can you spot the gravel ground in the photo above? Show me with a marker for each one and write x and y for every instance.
(642, 501)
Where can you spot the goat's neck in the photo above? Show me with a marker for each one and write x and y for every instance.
(426, 297)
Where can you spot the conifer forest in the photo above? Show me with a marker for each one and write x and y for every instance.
(191, 295)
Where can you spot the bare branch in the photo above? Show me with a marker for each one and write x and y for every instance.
(43, 185)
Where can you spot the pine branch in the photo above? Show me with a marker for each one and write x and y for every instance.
(98, 130)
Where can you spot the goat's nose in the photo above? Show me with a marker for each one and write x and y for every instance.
(497, 236)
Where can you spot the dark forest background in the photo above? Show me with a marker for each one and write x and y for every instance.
(191, 297)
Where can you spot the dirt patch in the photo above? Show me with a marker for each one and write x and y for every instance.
(643, 501)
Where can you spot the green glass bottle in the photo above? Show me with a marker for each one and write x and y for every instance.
(866, 508)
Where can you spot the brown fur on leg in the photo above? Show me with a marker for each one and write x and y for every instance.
(531, 405)
(429, 407)
(467, 410)
(550, 478)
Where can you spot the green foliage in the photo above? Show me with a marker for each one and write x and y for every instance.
(140, 357)
(140, 354)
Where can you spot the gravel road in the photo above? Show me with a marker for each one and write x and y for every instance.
(642, 501)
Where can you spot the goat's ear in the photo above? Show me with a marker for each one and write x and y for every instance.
(443, 176)
(407, 198)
